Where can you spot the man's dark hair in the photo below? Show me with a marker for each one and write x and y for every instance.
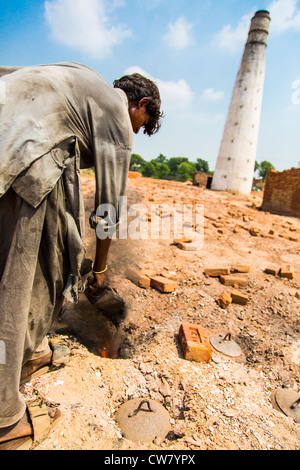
(137, 87)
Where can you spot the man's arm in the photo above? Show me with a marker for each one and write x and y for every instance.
(100, 265)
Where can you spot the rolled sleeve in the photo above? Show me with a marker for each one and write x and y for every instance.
(111, 173)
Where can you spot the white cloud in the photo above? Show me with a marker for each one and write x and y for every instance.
(284, 15)
(209, 94)
(179, 34)
(84, 25)
(174, 95)
(231, 38)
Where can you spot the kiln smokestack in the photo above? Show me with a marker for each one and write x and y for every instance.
(236, 161)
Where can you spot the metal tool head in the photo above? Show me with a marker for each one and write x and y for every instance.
(143, 420)
(110, 304)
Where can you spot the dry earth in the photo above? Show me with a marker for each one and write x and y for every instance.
(221, 405)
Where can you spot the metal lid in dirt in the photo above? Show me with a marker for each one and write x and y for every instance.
(225, 345)
(288, 402)
(143, 420)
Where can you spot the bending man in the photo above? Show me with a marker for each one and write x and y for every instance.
(54, 121)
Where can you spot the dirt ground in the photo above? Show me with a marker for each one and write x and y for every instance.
(220, 405)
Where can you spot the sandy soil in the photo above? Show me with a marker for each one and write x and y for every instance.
(224, 404)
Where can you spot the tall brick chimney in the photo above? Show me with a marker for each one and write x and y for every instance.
(236, 160)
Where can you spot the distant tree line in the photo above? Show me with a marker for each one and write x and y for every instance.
(181, 168)
(175, 168)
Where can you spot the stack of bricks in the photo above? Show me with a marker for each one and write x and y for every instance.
(161, 283)
(282, 192)
(229, 277)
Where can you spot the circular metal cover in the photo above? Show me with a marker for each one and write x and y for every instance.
(143, 420)
(225, 345)
(288, 402)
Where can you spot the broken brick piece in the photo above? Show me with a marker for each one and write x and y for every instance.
(287, 271)
(224, 300)
(237, 228)
(254, 231)
(239, 298)
(187, 247)
(194, 343)
(163, 284)
(138, 278)
(217, 272)
(233, 281)
(177, 241)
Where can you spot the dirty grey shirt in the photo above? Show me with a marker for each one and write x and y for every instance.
(42, 106)
(54, 120)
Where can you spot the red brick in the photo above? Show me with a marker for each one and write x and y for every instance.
(239, 298)
(194, 343)
(177, 241)
(138, 278)
(272, 271)
(162, 284)
(287, 271)
(217, 272)
(233, 281)
(239, 268)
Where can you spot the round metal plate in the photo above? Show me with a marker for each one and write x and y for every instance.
(143, 420)
(288, 402)
(225, 345)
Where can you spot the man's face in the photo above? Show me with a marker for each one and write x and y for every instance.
(138, 115)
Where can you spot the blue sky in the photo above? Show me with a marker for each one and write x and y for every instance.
(191, 48)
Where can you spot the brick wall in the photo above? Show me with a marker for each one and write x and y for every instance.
(282, 192)
(201, 179)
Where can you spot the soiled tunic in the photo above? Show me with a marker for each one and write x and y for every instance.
(54, 120)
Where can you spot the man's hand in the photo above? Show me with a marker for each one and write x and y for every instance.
(98, 284)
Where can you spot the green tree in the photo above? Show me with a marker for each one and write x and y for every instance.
(263, 169)
(148, 170)
(174, 162)
(161, 170)
(185, 171)
(136, 162)
(202, 165)
(161, 159)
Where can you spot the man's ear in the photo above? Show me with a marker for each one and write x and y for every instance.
(144, 102)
